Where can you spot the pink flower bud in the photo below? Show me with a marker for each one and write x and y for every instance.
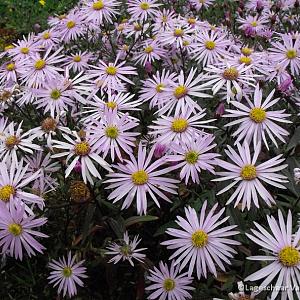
(160, 150)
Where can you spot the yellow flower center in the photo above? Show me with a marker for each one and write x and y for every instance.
(210, 45)
(15, 229)
(67, 272)
(111, 70)
(139, 177)
(77, 58)
(137, 27)
(248, 172)
(257, 114)
(126, 250)
(40, 64)
(6, 192)
(191, 157)
(144, 6)
(10, 67)
(186, 43)
(55, 94)
(112, 132)
(179, 125)
(199, 239)
(289, 256)
(24, 50)
(245, 60)
(178, 32)
(48, 124)
(169, 284)
(160, 87)
(46, 35)
(247, 51)
(231, 73)
(180, 91)
(71, 24)
(9, 47)
(148, 49)
(192, 21)
(254, 23)
(11, 141)
(291, 53)
(82, 148)
(164, 19)
(79, 192)
(98, 5)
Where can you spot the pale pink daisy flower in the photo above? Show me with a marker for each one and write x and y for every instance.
(200, 4)
(229, 76)
(136, 29)
(253, 24)
(14, 141)
(72, 27)
(84, 153)
(164, 18)
(10, 72)
(66, 274)
(14, 179)
(120, 102)
(281, 248)
(139, 178)
(111, 134)
(180, 127)
(100, 11)
(258, 5)
(181, 91)
(48, 38)
(210, 47)
(199, 243)
(257, 121)
(168, 283)
(192, 157)
(287, 53)
(78, 61)
(113, 75)
(39, 69)
(54, 97)
(249, 176)
(17, 232)
(153, 89)
(142, 9)
(126, 250)
(24, 49)
(151, 51)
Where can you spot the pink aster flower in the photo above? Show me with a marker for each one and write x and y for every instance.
(139, 178)
(17, 232)
(154, 89)
(163, 20)
(39, 69)
(199, 242)
(282, 255)
(257, 121)
(200, 4)
(210, 47)
(181, 91)
(287, 53)
(229, 76)
(10, 72)
(168, 283)
(126, 250)
(249, 176)
(85, 152)
(142, 9)
(253, 24)
(66, 274)
(79, 61)
(14, 179)
(14, 141)
(180, 127)
(113, 75)
(48, 38)
(99, 11)
(112, 134)
(192, 157)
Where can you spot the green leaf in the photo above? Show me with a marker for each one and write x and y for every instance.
(138, 219)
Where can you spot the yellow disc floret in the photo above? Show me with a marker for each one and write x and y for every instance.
(111, 70)
(257, 114)
(11, 66)
(148, 49)
(98, 5)
(55, 94)
(6, 192)
(246, 51)
(199, 239)
(144, 6)
(15, 229)
(71, 24)
(178, 32)
(67, 272)
(24, 50)
(291, 53)
(169, 284)
(231, 73)
(11, 141)
(248, 172)
(191, 157)
(210, 45)
(289, 256)
(179, 125)
(40, 64)
(140, 177)
(160, 87)
(112, 132)
(245, 60)
(77, 58)
(180, 91)
(82, 148)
